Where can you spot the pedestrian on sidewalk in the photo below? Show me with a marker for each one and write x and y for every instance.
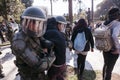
(13, 25)
(33, 53)
(68, 30)
(89, 45)
(2, 30)
(111, 56)
(54, 33)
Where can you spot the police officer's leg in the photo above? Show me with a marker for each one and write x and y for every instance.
(24, 76)
(1, 35)
(1, 74)
(62, 73)
(31, 75)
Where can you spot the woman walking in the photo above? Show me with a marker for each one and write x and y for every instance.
(79, 28)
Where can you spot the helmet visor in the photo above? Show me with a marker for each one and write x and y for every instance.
(36, 27)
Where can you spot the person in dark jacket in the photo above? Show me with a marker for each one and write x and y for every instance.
(80, 27)
(110, 57)
(54, 33)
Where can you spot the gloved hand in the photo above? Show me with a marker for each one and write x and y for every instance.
(46, 62)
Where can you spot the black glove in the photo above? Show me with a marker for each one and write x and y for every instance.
(46, 62)
(46, 43)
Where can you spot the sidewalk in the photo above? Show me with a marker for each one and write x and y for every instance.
(6, 59)
(94, 61)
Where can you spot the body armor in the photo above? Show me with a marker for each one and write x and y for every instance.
(30, 55)
(33, 53)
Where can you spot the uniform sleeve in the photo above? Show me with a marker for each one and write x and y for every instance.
(20, 49)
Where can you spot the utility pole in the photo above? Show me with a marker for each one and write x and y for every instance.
(89, 16)
(92, 9)
(51, 7)
(70, 11)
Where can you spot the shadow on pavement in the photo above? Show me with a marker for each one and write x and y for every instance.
(88, 66)
(4, 47)
(89, 74)
(17, 77)
(7, 57)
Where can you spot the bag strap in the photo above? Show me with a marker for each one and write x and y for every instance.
(110, 24)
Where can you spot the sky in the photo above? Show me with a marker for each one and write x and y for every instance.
(60, 7)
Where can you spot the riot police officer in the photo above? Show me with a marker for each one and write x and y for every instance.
(33, 52)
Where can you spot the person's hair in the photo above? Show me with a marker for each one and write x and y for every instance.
(80, 24)
(51, 21)
(113, 13)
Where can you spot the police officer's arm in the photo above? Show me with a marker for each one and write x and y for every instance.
(46, 44)
(30, 57)
(20, 49)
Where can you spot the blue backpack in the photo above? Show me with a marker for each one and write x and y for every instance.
(80, 42)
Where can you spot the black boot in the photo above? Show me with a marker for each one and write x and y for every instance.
(2, 75)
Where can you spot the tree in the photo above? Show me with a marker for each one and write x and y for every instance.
(27, 3)
(116, 2)
(10, 7)
(51, 7)
(103, 8)
(69, 8)
(70, 11)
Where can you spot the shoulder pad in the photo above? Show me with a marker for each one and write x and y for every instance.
(20, 36)
(19, 42)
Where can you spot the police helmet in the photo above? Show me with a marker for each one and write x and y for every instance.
(33, 19)
(61, 19)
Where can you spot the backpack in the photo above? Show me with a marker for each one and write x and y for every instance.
(80, 42)
(103, 39)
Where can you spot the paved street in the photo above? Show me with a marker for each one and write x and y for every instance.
(94, 62)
